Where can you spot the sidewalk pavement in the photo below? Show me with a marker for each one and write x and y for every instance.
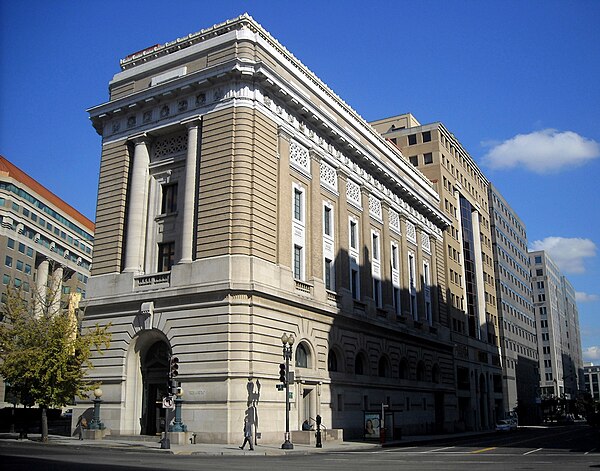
(152, 445)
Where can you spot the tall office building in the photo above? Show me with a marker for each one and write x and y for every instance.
(573, 356)
(518, 335)
(239, 200)
(470, 296)
(559, 342)
(45, 244)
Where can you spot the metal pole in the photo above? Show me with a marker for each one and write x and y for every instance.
(165, 443)
(287, 444)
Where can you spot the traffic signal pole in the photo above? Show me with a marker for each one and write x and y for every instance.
(165, 443)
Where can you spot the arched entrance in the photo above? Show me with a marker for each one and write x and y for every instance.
(155, 369)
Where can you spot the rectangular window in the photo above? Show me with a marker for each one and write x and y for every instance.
(8, 261)
(377, 292)
(10, 243)
(394, 257)
(353, 234)
(427, 136)
(27, 269)
(354, 283)
(413, 286)
(21, 247)
(414, 159)
(19, 265)
(538, 259)
(327, 221)
(428, 158)
(329, 275)
(166, 256)
(29, 252)
(298, 204)
(5, 279)
(375, 246)
(297, 262)
(539, 272)
(412, 139)
(396, 300)
(169, 198)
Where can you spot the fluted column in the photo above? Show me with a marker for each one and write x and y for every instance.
(41, 284)
(56, 289)
(136, 213)
(189, 199)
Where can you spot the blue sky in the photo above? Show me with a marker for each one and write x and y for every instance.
(517, 83)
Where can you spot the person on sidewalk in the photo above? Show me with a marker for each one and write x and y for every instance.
(247, 435)
(81, 425)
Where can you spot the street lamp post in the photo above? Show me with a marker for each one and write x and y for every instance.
(96, 423)
(287, 341)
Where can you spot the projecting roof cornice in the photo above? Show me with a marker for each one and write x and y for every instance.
(333, 119)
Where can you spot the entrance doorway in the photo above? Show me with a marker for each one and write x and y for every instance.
(309, 405)
(155, 370)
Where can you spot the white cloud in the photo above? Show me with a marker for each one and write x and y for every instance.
(591, 354)
(568, 254)
(543, 151)
(582, 297)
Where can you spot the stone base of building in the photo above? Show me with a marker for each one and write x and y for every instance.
(181, 438)
(95, 434)
(309, 437)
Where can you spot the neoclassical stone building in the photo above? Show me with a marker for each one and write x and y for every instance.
(240, 199)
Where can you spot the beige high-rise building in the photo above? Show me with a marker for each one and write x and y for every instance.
(241, 199)
(518, 332)
(45, 245)
(559, 341)
(470, 295)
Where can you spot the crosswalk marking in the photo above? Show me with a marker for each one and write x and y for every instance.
(483, 450)
(532, 451)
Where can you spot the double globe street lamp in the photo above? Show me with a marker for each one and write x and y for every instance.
(287, 340)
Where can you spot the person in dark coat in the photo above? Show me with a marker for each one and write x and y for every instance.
(247, 435)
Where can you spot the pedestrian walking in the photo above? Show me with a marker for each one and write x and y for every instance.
(247, 435)
(81, 424)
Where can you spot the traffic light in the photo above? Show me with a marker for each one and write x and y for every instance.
(173, 386)
(282, 375)
(174, 371)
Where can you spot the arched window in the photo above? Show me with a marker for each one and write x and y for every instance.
(332, 363)
(420, 371)
(383, 368)
(403, 369)
(301, 356)
(360, 364)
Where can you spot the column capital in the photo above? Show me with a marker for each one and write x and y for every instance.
(284, 132)
(191, 122)
(142, 138)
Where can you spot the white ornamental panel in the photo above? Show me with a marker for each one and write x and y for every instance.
(353, 193)
(411, 233)
(328, 175)
(299, 156)
(394, 220)
(375, 207)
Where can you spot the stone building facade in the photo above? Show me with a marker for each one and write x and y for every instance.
(470, 294)
(240, 199)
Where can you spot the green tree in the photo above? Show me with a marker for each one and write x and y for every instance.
(44, 354)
